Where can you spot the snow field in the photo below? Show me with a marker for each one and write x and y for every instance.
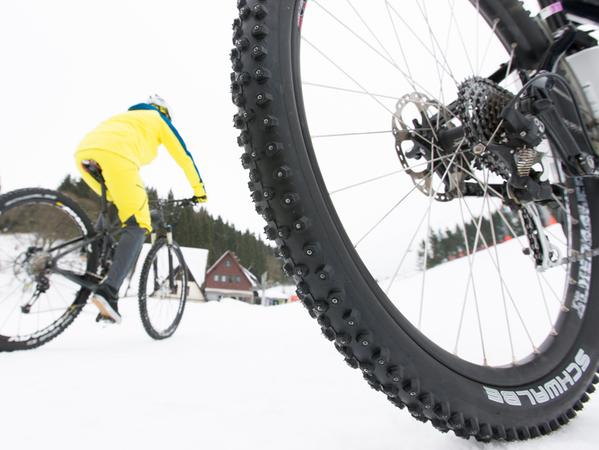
(234, 376)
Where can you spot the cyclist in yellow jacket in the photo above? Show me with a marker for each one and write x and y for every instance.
(120, 146)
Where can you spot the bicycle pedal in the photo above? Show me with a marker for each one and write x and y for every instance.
(105, 321)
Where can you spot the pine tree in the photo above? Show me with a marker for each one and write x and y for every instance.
(451, 243)
(195, 229)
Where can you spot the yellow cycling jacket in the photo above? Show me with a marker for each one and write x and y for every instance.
(136, 136)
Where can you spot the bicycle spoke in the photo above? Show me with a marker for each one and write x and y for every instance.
(471, 259)
(353, 32)
(35, 231)
(403, 258)
(395, 172)
(573, 220)
(362, 133)
(477, 38)
(360, 38)
(426, 48)
(465, 50)
(410, 62)
(489, 42)
(353, 91)
(426, 244)
(426, 249)
(435, 45)
(557, 297)
(510, 62)
(373, 34)
(347, 75)
(556, 238)
(480, 183)
(546, 305)
(386, 215)
(408, 76)
(12, 311)
(526, 330)
(500, 277)
(3, 299)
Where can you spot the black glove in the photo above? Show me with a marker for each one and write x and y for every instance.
(197, 199)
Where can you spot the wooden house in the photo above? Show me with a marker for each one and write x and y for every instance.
(227, 278)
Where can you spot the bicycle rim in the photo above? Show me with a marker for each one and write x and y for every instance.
(163, 290)
(298, 185)
(455, 269)
(36, 304)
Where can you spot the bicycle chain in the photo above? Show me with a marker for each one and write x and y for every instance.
(533, 239)
(535, 244)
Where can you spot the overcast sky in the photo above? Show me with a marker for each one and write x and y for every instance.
(67, 65)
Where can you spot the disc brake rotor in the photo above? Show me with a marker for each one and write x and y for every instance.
(417, 145)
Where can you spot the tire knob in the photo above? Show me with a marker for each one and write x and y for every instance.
(324, 273)
(302, 224)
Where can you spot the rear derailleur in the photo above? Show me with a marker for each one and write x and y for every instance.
(486, 128)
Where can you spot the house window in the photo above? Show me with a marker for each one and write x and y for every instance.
(227, 263)
(216, 278)
(237, 279)
(223, 278)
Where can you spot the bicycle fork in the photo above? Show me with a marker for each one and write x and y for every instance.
(171, 272)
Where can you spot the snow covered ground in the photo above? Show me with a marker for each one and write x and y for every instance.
(234, 376)
(513, 301)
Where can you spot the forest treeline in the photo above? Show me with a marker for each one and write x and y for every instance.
(199, 229)
(456, 242)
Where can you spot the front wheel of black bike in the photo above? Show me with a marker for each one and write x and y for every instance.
(163, 289)
(41, 232)
(356, 121)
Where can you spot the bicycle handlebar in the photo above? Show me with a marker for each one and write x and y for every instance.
(182, 202)
(157, 211)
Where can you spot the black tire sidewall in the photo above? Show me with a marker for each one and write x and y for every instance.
(142, 296)
(430, 388)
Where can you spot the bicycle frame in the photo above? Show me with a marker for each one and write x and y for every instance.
(163, 228)
(106, 233)
(556, 106)
(88, 281)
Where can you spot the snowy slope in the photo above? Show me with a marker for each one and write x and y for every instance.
(530, 300)
(234, 376)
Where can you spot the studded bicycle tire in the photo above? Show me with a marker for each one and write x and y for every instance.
(153, 331)
(334, 285)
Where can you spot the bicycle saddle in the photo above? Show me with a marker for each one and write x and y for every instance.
(94, 169)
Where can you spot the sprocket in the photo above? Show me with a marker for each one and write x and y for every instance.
(479, 107)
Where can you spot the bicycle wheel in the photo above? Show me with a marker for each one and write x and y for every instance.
(162, 289)
(359, 124)
(36, 303)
